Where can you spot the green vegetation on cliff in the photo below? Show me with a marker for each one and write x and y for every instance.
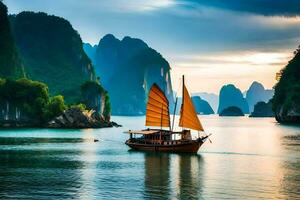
(30, 101)
(52, 52)
(10, 65)
(286, 100)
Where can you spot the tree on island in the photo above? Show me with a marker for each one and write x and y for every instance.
(30, 101)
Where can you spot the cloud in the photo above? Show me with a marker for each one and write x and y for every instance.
(237, 59)
(288, 8)
(198, 38)
(126, 6)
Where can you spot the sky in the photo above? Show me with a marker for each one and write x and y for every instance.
(211, 42)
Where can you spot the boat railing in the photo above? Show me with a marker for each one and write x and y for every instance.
(158, 142)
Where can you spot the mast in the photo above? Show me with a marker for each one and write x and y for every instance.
(161, 116)
(162, 106)
(182, 103)
(174, 113)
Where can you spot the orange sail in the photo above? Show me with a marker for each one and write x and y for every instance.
(157, 112)
(188, 115)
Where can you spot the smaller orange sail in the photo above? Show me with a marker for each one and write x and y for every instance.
(188, 115)
(157, 111)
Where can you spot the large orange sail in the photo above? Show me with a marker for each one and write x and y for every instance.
(188, 115)
(157, 112)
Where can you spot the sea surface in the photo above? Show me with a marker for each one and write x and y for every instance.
(249, 158)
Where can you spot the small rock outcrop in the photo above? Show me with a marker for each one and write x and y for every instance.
(232, 111)
(78, 118)
(262, 109)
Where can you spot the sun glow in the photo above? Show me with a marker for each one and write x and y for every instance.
(210, 72)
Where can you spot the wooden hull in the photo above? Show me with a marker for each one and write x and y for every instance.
(185, 147)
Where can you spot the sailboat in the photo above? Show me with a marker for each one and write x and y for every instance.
(158, 115)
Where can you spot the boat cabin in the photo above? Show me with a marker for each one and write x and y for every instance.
(156, 136)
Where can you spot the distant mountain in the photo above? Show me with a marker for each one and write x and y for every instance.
(128, 68)
(263, 109)
(202, 106)
(257, 93)
(286, 100)
(52, 52)
(232, 111)
(10, 63)
(232, 96)
(89, 50)
(211, 98)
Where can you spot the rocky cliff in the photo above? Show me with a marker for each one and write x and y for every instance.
(232, 96)
(128, 68)
(286, 100)
(52, 52)
(257, 93)
(78, 118)
(96, 98)
(10, 64)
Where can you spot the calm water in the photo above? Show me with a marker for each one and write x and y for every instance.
(248, 159)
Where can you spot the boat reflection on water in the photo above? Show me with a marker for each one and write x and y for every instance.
(190, 176)
(157, 175)
(169, 176)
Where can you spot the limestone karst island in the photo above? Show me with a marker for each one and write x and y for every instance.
(145, 99)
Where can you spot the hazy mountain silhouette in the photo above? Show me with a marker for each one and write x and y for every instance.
(202, 106)
(257, 93)
(211, 98)
(232, 96)
(128, 68)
